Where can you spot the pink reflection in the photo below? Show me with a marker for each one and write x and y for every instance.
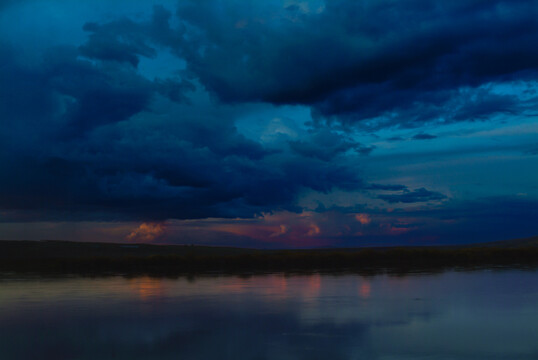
(365, 289)
(312, 287)
(147, 288)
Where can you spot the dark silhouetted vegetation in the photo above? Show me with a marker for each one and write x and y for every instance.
(79, 258)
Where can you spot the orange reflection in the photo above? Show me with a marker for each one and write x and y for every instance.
(312, 286)
(278, 286)
(234, 285)
(147, 287)
(365, 290)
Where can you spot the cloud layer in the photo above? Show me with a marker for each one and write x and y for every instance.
(191, 111)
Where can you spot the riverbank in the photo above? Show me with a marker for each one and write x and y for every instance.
(89, 258)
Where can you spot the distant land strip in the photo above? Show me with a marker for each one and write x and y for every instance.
(59, 257)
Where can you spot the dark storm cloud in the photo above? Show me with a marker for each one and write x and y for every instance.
(362, 60)
(113, 179)
(86, 134)
(484, 219)
(91, 146)
(72, 94)
(155, 168)
(392, 62)
(456, 222)
(103, 45)
(424, 136)
(125, 40)
(326, 144)
(418, 195)
(101, 94)
(174, 89)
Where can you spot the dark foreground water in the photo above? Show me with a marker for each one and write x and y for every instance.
(454, 315)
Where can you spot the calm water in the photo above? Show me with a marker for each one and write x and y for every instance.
(453, 315)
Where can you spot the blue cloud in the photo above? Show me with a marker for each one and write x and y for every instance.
(418, 195)
(423, 136)
(89, 133)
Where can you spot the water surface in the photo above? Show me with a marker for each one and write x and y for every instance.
(453, 315)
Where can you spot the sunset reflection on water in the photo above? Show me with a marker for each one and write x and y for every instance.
(147, 287)
(271, 316)
(365, 289)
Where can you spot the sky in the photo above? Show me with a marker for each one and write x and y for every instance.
(269, 124)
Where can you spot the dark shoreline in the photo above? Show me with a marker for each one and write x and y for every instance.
(199, 260)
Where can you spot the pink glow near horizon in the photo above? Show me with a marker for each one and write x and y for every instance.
(147, 232)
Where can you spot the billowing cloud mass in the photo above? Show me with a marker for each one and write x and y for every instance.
(312, 123)
(146, 233)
